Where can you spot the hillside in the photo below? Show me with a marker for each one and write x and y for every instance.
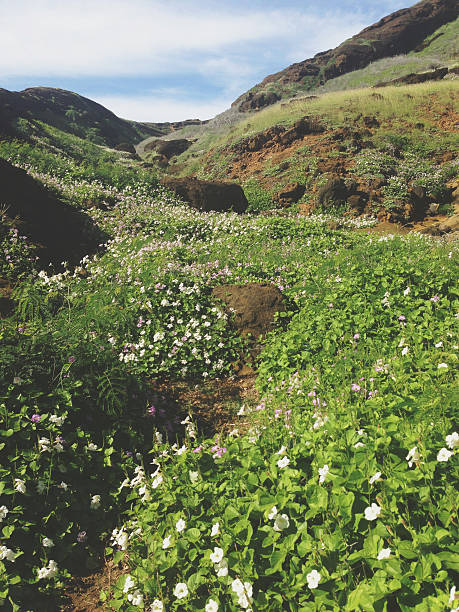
(73, 114)
(229, 355)
(407, 31)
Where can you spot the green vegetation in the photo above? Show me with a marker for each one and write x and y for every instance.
(337, 488)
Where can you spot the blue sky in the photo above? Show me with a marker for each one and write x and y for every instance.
(152, 60)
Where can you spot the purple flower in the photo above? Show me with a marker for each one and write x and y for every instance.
(356, 336)
(435, 299)
(82, 537)
(72, 359)
(21, 329)
(402, 318)
(198, 449)
(36, 418)
(355, 387)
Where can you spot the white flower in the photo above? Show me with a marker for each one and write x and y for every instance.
(211, 606)
(157, 480)
(57, 420)
(92, 447)
(120, 538)
(181, 590)
(452, 440)
(48, 572)
(241, 411)
(194, 476)
(129, 583)
(272, 513)
(405, 350)
(95, 502)
(48, 543)
(442, 366)
(44, 445)
(281, 522)
(323, 471)
(64, 486)
(3, 512)
(359, 444)
(282, 450)
(217, 555)
(136, 598)
(413, 456)
(439, 344)
(374, 478)
(157, 606)
(215, 530)
(452, 594)
(384, 553)
(238, 586)
(283, 462)
(19, 485)
(180, 525)
(444, 454)
(313, 579)
(159, 440)
(407, 290)
(222, 568)
(7, 553)
(166, 542)
(372, 512)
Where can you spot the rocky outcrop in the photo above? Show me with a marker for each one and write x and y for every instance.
(419, 77)
(400, 32)
(252, 309)
(290, 194)
(255, 101)
(208, 195)
(168, 148)
(62, 232)
(279, 135)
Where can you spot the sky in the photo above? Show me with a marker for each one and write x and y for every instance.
(151, 60)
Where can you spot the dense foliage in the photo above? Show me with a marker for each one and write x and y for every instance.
(336, 491)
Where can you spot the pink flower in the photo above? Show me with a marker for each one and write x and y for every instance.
(36, 418)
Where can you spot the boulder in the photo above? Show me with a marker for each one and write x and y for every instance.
(253, 308)
(64, 233)
(208, 195)
(168, 148)
(255, 101)
(126, 147)
(290, 194)
(333, 193)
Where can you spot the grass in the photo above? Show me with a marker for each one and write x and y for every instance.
(334, 489)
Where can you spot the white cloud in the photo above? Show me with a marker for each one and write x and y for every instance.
(160, 109)
(116, 37)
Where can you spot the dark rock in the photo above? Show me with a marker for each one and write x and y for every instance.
(333, 193)
(253, 308)
(356, 202)
(290, 194)
(418, 77)
(168, 148)
(370, 122)
(420, 201)
(64, 233)
(377, 183)
(7, 306)
(127, 147)
(255, 101)
(208, 195)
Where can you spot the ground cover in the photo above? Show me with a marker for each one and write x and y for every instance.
(337, 489)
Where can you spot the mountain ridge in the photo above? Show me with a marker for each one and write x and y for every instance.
(400, 32)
